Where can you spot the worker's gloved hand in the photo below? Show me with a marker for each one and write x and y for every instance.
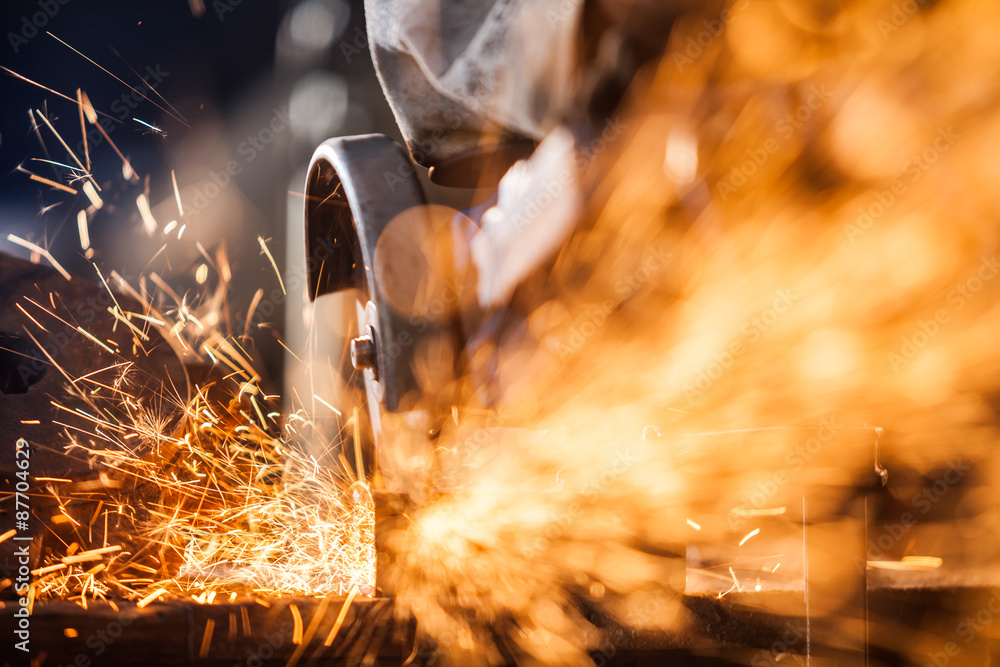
(538, 204)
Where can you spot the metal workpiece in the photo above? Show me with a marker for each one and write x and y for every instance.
(740, 629)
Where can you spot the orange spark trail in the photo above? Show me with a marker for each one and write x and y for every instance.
(56, 93)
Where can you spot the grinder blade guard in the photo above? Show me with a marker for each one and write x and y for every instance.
(371, 236)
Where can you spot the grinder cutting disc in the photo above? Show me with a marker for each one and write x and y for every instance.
(41, 362)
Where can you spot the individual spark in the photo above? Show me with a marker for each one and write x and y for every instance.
(41, 251)
(83, 126)
(274, 265)
(151, 128)
(45, 181)
(84, 230)
(148, 221)
(95, 199)
(206, 639)
(748, 536)
(177, 196)
(116, 78)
